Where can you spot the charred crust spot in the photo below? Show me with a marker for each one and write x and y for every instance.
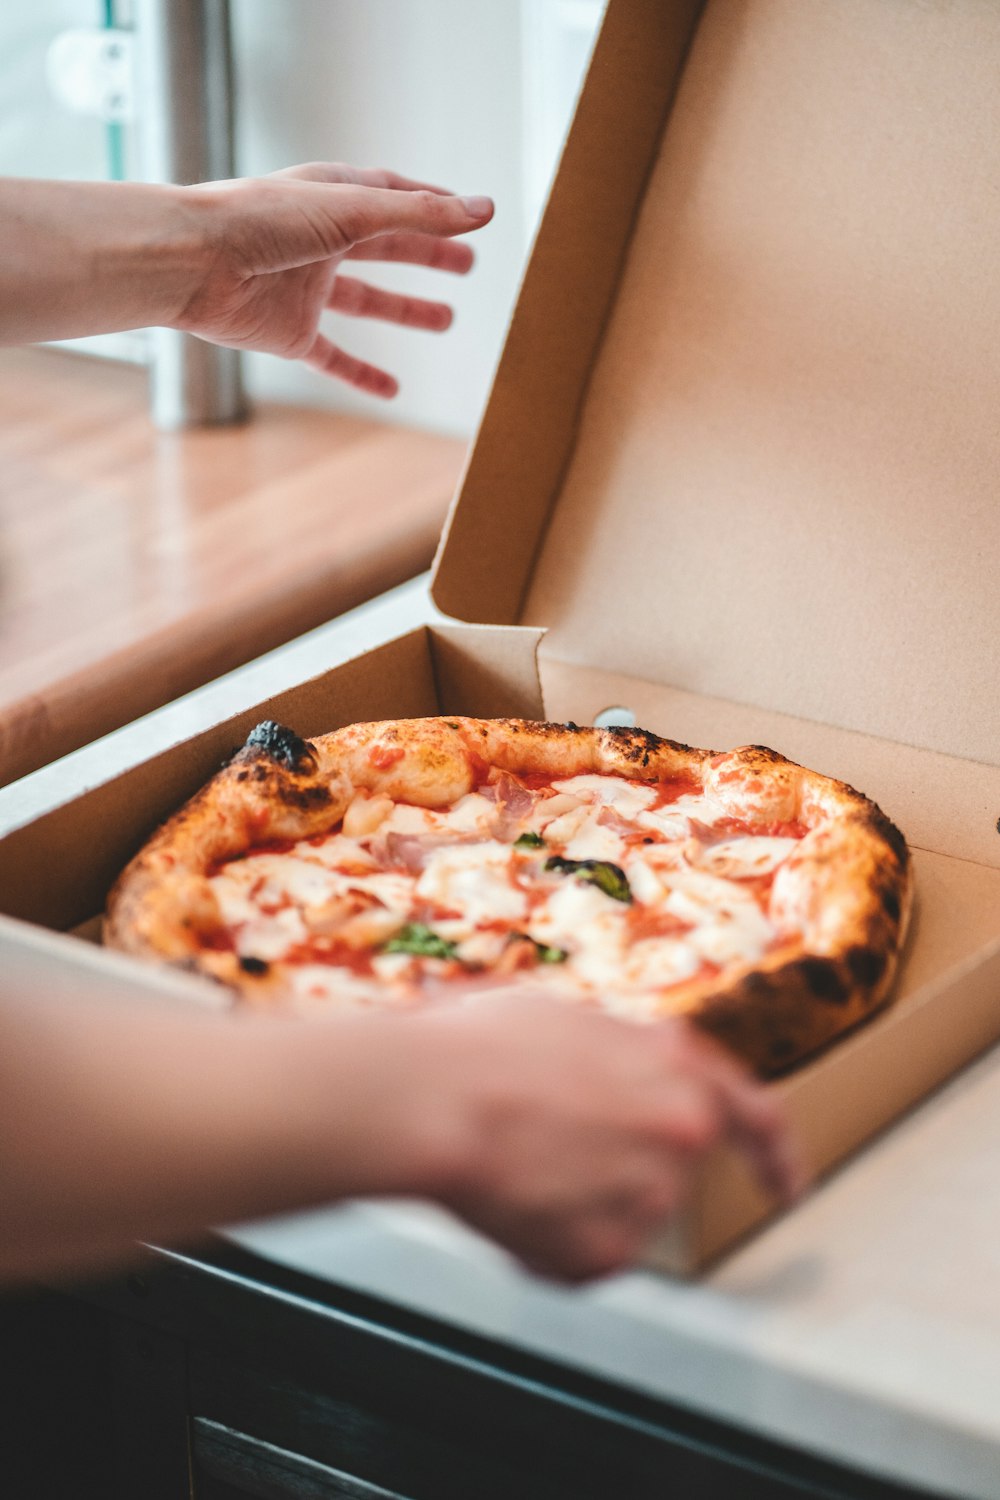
(823, 979)
(764, 752)
(260, 773)
(251, 965)
(890, 903)
(281, 744)
(867, 965)
(637, 745)
(304, 797)
(547, 728)
(242, 775)
(890, 833)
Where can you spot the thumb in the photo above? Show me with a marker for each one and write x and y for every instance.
(331, 217)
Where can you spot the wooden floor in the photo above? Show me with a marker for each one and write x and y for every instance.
(135, 565)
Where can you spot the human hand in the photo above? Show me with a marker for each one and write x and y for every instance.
(274, 248)
(585, 1130)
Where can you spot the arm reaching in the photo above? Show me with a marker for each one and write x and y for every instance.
(251, 264)
(566, 1136)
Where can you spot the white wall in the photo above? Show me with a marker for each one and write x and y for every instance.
(37, 138)
(431, 89)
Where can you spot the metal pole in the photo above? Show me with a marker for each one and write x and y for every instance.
(185, 116)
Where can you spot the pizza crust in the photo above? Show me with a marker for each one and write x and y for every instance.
(846, 887)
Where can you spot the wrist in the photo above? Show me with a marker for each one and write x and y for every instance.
(362, 1105)
(178, 251)
(419, 1111)
(86, 257)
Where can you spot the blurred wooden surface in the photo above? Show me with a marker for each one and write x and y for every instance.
(135, 565)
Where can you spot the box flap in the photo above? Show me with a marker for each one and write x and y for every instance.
(783, 491)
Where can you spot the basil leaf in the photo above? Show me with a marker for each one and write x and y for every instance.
(529, 841)
(548, 955)
(543, 953)
(423, 941)
(609, 878)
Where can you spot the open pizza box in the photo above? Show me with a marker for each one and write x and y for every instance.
(737, 478)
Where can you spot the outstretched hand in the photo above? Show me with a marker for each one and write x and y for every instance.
(276, 250)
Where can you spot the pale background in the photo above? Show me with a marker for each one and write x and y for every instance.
(471, 94)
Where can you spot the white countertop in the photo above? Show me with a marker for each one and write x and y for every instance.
(863, 1326)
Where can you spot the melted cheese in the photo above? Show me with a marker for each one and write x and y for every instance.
(407, 819)
(392, 889)
(574, 914)
(660, 963)
(475, 890)
(470, 814)
(265, 880)
(673, 821)
(271, 937)
(737, 859)
(592, 840)
(476, 880)
(365, 813)
(627, 797)
(338, 852)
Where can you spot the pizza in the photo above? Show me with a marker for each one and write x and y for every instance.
(381, 863)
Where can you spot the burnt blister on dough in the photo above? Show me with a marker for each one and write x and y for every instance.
(251, 965)
(823, 979)
(867, 965)
(281, 744)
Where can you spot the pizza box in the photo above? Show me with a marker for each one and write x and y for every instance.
(735, 480)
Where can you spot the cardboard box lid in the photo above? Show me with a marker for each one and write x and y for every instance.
(745, 435)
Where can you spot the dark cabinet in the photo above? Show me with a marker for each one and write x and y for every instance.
(220, 1377)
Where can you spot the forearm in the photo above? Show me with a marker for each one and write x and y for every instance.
(93, 257)
(120, 1123)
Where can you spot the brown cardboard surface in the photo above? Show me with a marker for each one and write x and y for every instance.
(486, 672)
(754, 499)
(526, 436)
(944, 1014)
(783, 490)
(941, 802)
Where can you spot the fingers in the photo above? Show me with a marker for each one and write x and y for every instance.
(339, 216)
(418, 250)
(750, 1114)
(329, 360)
(359, 300)
(336, 171)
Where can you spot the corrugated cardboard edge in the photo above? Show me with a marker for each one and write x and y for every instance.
(526, 436)
(107, 824)
(487, 671)
(462, 669)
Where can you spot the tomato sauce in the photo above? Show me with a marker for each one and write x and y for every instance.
(652, 922)
(672, 790)
(330, 951)
(384, 757)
